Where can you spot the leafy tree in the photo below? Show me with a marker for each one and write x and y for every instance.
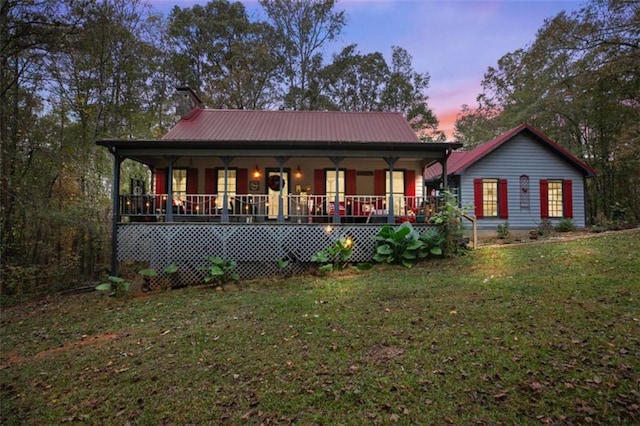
(303, 27)
(405, 92)
(221, 54)
(474, 126)
(353, 81)
(29, 30)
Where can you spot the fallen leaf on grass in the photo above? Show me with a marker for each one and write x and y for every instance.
(535, 386)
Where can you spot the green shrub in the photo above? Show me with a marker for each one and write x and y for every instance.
(545, 227)
(433, 241)
(503, 231)
(117, 285)
(565, 225)
(449, 220)
(335, 257)
(401, 245)
(220, 271)
(169, 272)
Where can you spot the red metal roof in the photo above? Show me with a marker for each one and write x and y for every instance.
(458, 162)
(292, 126)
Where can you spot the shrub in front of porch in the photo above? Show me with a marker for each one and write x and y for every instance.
(335, 257)
(449, 221)
(401, 245)
(220, 271)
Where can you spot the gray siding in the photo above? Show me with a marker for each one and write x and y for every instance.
(523, 155)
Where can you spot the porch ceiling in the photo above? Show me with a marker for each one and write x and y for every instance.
(155, 151)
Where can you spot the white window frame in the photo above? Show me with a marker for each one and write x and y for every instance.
(330, 185)
(555, 198)
(398, 191)
(490, 200)
(179, 184)
(231, 189)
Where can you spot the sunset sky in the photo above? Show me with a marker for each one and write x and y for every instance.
(455, 41)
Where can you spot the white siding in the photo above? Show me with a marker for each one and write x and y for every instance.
(523, 155)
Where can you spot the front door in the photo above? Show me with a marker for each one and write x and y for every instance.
(274, 195)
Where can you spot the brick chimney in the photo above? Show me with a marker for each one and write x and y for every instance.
(187, 101)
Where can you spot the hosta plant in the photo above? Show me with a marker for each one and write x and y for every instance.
(401, 245)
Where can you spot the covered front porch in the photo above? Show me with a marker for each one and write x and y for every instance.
(260, 186)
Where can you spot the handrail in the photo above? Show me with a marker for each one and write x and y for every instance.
(297, 207)
(474, 227)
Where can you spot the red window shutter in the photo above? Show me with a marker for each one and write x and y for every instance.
(161, 181)
(318, 182)
(503, 199)
(242, 181)
(210, 181)
(192, 181)
(477, 198)
(410, 187)
(544, 199)
(350, 187)
(567, 198)
(379, 182)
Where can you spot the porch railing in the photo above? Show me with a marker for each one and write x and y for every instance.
(295, 208)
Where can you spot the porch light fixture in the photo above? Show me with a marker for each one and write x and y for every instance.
(298, 173)
(256, 173)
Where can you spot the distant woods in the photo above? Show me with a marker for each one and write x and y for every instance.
(73, 71)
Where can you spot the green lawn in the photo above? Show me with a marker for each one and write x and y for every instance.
(532, 334)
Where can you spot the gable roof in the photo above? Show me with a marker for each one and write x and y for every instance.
(292, 126)
(458, 162)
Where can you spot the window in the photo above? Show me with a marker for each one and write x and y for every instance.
(554, 191)
(398, 190)
(179, 184)
(491, 198)
(230, 189)
(556, 198)
(330, 185)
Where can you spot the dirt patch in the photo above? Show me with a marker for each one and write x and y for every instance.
(381, 353)
(14, 358)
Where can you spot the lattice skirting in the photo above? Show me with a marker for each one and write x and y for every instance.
(255, 247)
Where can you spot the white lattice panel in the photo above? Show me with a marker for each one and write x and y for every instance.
(256, 247)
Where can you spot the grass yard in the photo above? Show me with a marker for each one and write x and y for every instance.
(535, 334)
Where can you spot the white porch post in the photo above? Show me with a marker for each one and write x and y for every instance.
(336, 199)
(281, 161)
(391, 216)
(169, 215)
(225, 196)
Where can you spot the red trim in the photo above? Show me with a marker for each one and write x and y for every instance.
(477, 198)
(350, 187)
(192, 181)
(379, 186)
(161, 181)
(210, 178)
(242, 181)
(567, 198)
(161, 186)
(458, 162)
(379, 182)
(410, 187)
(210, 187)
(544, 198)
(503, 199)
(319, 182)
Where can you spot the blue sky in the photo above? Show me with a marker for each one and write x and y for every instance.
(455, 41)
